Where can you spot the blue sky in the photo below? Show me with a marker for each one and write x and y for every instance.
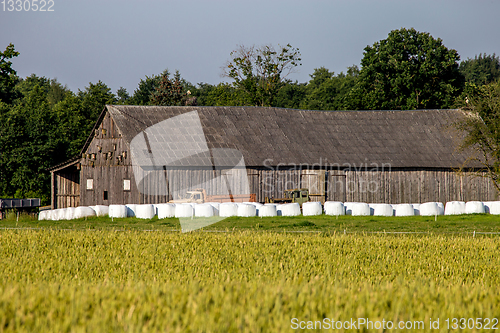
(120, 42)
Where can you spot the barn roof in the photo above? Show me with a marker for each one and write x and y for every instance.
(403, 139)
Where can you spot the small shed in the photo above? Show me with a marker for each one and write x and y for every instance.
(148, 154)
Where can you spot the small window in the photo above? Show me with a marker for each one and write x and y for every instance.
(105, 195)
(126, 184)
(90, 184)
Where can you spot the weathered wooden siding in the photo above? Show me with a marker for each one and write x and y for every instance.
(415, 186)
(395, 186)
(67, 191)
(389, 186)
(106, 162)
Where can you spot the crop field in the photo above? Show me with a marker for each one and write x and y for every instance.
(104, 280)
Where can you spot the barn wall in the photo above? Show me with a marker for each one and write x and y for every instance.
(415, 186)
(67, 188)
(106, 163)
(382, 186)
(395, 186)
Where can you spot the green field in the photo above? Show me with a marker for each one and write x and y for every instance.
(461, 224)
(108, 278)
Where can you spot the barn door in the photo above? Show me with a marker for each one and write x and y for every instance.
(336, 186)
(254, 184)
(314, 180)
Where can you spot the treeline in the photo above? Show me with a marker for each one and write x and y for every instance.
(43, 123)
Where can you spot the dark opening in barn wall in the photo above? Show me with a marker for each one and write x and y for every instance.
(66, 184)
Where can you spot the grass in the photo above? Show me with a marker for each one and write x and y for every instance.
(422, 224)
(102, 280)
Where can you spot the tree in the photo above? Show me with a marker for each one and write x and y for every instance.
(408, 70)
(291, 95)
(93, 99)
(482, 128)
(261, 71)
(143, 92)
(8, 78)
(29, 136)
(123, 96)
(169, 91)
(327, 91)
(57, 92)
(481, 70)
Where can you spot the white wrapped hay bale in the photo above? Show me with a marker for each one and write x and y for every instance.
(165, 210)
(474, 207)
(48, 215)
(383, 210)
(431, 209)
(360, 209)
(416, 208)
(454, 208)
(228, 209)
(53, 215)
(69, 213)
(145, 211)
(492, 207)
(204, 210)
(257, 207)
(82, 211)
(334, 208)
(267, 211)
(246, 210)
(372, 207)
(278, 209)
(59, 214)
(404, 210)
(100, 210)
(184, 210)
(131, 208)
(348, 207)
(216, 206)
(312, 208)
(118, 211)
(440, 208)
(290, 209)
(155, 208)
(42, 215)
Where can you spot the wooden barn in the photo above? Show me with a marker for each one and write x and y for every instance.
(149, 154)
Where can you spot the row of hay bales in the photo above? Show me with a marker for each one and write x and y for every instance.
(228, 209)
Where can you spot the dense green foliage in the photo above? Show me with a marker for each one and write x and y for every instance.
(260, 72)
(8, 78)
(105, 281)
(43, 123)
(409, 70)
(483, 126)
(483, 69)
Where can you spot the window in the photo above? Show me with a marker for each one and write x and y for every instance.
(105, 196)
(90, 184)
(126, 184)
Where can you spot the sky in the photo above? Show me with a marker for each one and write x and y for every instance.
(121, 42)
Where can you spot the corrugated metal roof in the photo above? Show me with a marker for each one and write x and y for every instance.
(403, 139)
